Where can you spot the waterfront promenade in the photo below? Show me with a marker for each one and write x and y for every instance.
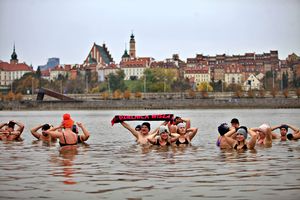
(154, 101)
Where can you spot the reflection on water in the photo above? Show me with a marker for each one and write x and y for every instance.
(112, 166)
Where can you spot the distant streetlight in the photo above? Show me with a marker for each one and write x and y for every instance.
(145, 80)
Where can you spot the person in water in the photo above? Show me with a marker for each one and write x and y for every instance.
(265, 136)
(222, 142)
(172, 125)
(43, 135)
(235, 124)
(144, 134)
(138, 128)
(240, 143)
(185, 134)
(164, 138)
(8, 131)
(67, 137)
(284, 131)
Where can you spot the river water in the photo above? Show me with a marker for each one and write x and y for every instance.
(112, 166)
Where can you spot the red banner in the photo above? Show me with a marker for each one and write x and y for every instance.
(160, 117)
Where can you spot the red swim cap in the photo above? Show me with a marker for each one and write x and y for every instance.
(66, 116)
(67, 121)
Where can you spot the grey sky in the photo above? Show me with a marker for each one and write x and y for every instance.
(67, 28)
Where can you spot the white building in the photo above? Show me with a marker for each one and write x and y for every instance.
(233, 75)
(198, 74)
(13, 70)
(251, 83)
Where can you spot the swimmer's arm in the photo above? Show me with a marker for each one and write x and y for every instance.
(53, 134)
(86, 134)
(187, 122)
(174, 137)
(21, 127)
(275, 127)
(35, 133)
(152, 141)
(296, 136)
(128, 127)
(295, 129)
(152, 135)
(228, 138)
(193, 132)
(252, 142)
(3, 124)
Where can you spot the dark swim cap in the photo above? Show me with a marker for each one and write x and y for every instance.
(285, 127)
(223, 128)
(45, 127)
(290, 136)
(11, 124)
(235, 120)
(138, 126)
(146, 124)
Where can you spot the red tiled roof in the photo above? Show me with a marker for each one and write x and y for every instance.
(14, 67)
(133, 63)
(196, 70)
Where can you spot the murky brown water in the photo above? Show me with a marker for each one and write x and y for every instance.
(112, 166)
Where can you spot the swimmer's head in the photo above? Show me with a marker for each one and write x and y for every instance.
(290, 136)
(11, 124)
(283, 130)
(263, 128)
(223, 128)
(242, 131)
(45, 127)
(138, 128)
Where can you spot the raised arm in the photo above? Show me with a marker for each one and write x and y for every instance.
(132, 130)
(86, 134)
(187, 122)
(228, 138)
(252, 141)
(53, 134)
(192, 132)
(275, 127)
(152, 140)
(34, 131)
(295, 129)
(20, 125)
(174, 137)
(2, 125)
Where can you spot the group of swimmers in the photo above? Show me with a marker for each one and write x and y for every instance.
(235, 137)
(66, 133)
(175, 132)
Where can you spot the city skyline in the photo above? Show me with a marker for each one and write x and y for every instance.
(67, 29)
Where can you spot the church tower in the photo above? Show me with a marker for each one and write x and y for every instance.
(14, 57)
(132, 47)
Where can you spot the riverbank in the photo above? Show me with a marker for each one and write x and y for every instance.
(207, 103)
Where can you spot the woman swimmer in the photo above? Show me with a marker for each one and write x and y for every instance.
(240, 142)
(164, 138)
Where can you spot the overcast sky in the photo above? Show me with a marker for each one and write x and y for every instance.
(68, 28)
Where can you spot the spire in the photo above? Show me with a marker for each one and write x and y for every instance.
(14, 56)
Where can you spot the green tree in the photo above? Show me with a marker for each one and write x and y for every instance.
(285, 80)
(116, 81)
